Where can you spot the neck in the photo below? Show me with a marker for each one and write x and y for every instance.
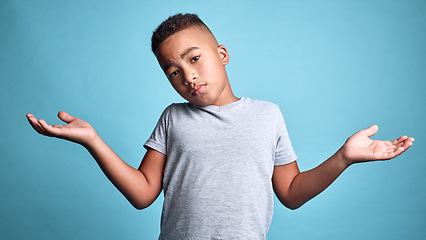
(226, 97)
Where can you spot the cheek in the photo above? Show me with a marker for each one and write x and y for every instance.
(211, 68)
(177, 87)
(181, 90)
(174, 85)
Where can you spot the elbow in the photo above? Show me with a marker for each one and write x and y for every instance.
(140, 206)
(291, 204)
(292, 207)
(142, 200)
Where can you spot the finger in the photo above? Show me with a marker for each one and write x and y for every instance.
(50, 131)
(400, 149)
(65, 117)
(371, 130)
(408, 143)
(35, 124)
(401, 139)
(395, 143)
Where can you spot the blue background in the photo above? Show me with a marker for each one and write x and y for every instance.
(334, 67)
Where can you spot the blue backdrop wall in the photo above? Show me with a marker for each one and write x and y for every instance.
(334, 67)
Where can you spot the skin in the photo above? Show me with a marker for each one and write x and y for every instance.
(191, 60)
(195, 65)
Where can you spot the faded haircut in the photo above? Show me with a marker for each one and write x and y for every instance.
(173, 25)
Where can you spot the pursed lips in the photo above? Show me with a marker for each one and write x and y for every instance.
(198, 89)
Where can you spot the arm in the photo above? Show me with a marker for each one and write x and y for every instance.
(294, 188)
(140, 186)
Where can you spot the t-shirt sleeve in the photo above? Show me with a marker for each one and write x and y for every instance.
(158, 138)
(284, 152)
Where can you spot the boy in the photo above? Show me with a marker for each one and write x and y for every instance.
(218, 158)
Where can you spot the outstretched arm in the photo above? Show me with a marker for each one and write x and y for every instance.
(140, 186)
(294, 188)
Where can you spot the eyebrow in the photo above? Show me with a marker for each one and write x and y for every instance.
(187, 51)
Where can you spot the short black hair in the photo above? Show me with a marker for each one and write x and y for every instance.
(172, 25)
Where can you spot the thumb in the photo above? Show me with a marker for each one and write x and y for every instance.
(371, 130)
(65, 117)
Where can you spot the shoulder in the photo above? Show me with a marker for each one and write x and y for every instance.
(261, 105)
(257, 102)
(177, 108)
(178, 111)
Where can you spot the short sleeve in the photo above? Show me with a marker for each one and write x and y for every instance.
(284, 152)
(158, 138)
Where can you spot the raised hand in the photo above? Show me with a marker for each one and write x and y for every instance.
(76, 130)
(360, 148)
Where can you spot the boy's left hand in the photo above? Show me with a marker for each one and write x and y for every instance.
(360, 148)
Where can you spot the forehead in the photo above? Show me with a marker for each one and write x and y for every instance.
(178, 43)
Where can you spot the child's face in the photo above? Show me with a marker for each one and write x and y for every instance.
(195, 66)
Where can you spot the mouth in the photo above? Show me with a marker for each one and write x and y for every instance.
(198, 89)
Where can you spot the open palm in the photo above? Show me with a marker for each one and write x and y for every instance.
(360, 148)
(76, 130)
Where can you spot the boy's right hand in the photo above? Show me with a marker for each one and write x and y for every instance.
(76, 130)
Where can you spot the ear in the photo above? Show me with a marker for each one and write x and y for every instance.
(223, 54)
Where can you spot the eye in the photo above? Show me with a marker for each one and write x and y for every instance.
(194, 59)
(173, 74)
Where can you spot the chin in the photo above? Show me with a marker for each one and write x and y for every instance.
(200, 102)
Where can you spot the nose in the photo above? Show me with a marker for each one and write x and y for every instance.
(190, 77)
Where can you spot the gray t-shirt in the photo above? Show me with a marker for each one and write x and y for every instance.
(217, 180)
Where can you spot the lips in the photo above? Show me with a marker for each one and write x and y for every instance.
(198, 89)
